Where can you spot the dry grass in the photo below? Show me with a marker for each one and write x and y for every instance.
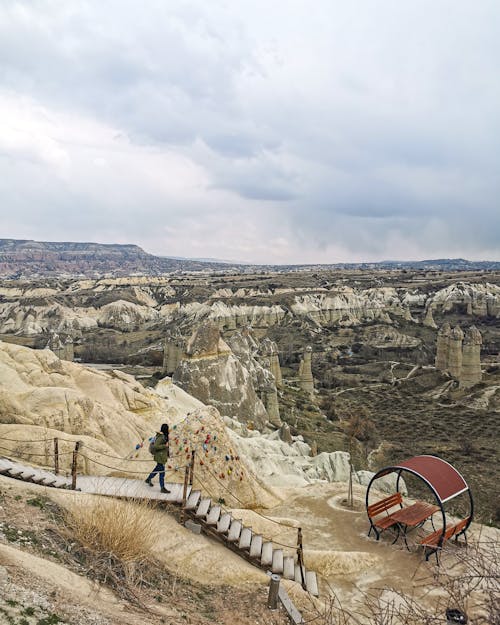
(114, 541)
(125, 530)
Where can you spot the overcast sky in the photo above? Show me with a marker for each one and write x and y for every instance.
(283, 132)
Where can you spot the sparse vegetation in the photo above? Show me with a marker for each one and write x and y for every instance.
(114, 541)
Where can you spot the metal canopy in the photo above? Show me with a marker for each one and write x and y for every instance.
(444, 480)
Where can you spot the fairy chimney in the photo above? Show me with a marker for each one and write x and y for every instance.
(429, 319)
(69, 349)
(274, 364)
(173, 350)
(442, 347)
(306, 379)
(471, 359)
(455, 352)
(270, 399)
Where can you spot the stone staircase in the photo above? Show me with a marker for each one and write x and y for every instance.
(252, 546)
(211, 516)
(30, 474)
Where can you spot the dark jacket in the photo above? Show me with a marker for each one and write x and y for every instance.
(160, 447)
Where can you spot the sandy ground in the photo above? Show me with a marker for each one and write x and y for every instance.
(336, 546)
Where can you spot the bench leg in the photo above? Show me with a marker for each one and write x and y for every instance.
(372, 527)
(397, 533)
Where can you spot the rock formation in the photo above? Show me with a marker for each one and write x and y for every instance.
(173, 349)
(442, 347)
(455, 352)
(62, 348)
(247, 349)
(306, 379)
(480, 299)
(460, 356)
(211, 372)
(269, 351)
(42, 397)
(471, 358)
(429, 319)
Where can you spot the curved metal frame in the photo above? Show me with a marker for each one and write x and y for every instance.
(399, 471)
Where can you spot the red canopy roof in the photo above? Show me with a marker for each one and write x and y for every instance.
(444, 479)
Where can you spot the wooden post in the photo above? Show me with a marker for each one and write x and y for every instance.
(184, 489)
(191, 469)
(73, 466)
(274, 586)
(56, 456)
(300, 557)
(350, 496)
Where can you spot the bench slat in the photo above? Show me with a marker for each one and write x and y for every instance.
(432, 540)
(384, 504)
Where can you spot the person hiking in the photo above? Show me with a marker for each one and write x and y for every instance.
(159, 449)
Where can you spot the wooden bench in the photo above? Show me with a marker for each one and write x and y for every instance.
(433, 543)
(385, 521)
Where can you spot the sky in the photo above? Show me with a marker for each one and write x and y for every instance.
(266, 132)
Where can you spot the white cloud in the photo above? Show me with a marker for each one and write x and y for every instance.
(271, 132)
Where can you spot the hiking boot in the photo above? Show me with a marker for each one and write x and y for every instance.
(149, 482)
(164, 490)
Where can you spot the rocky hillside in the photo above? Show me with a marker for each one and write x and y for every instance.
(42, 396)
(41, 258)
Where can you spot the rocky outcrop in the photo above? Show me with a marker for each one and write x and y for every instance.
(173, 350)
(481, 300)
(62, 347)
(429, 319)
(270, 360)
(387, 337)
(42, 397)
(306, 380)
(125, 316)
(471, 358)
(213, 374)
(442, 347)
(348, 306)
(460, 356)
(455, 352)
(247, 349)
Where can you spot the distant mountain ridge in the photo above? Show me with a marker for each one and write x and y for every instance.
(24, 258)
(27, 258)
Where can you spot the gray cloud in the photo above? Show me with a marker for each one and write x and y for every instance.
(357, 131)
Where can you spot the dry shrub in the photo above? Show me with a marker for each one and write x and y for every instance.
(114, 541)
(468, 579)
(125, 530)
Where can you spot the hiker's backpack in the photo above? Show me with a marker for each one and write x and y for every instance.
(152, 441)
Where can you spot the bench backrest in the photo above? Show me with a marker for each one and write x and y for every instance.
(384, 504)
(460, 526)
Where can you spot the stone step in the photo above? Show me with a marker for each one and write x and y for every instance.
(202, 510)
(180, 493)
(234, 531)
(312, 583)
(289, 567)
(256, 546)
(214, 515)
(266, 557)
(193, 500)
(224, 523)
(297, 576)
(245, 538)
(175, 494)
(277, 563)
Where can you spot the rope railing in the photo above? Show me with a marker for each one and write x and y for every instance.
(68, 440)
(170, 472)
(188, 468)
(29, 453)
(254, 511)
